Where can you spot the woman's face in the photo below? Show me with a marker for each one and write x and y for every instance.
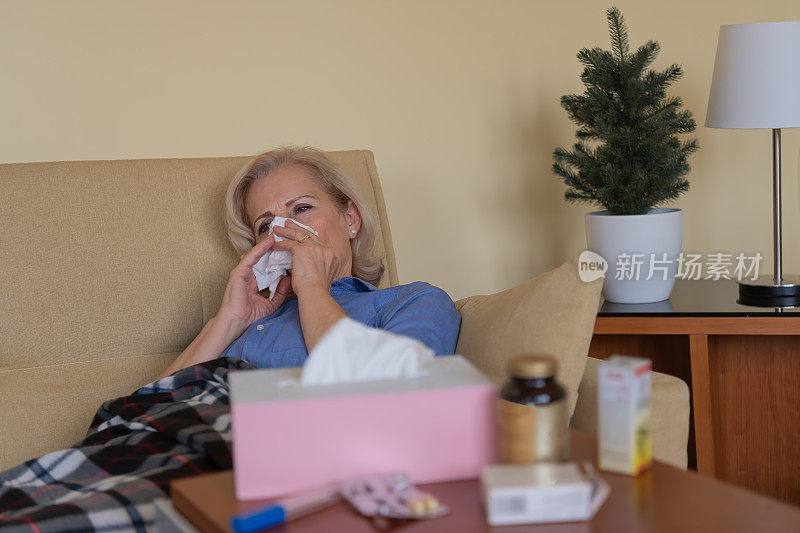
(293, 192)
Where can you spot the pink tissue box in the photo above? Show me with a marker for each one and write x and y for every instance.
(288, 437)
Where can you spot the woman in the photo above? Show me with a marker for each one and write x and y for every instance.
(333, 274)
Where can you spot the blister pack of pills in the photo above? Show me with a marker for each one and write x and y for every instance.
(391, 496)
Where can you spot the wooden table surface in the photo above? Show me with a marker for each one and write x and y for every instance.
(662, 499)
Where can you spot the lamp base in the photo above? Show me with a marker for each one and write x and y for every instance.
(764, 292)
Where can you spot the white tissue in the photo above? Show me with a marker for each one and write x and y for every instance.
(351, 351)
(274, 265)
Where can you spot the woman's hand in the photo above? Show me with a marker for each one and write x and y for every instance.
(314, 268)
(314, 265)
(241, 303)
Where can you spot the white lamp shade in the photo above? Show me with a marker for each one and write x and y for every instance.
(756, 81)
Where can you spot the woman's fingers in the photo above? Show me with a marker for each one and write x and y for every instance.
(282, 290)
(288, 233)
(277, 300)
(286, 245)
(293, 232)
(257, 252)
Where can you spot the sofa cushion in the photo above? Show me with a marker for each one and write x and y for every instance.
(551, 314)
(98, 260)
(50, 407)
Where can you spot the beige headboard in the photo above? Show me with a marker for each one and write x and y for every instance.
(108, 271)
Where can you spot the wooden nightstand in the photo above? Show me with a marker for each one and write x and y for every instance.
(743, 367)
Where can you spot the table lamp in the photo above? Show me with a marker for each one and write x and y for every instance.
(756, 84)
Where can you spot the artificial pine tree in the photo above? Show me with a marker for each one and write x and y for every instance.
(628, 158)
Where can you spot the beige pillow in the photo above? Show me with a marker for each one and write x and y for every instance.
(551, 314)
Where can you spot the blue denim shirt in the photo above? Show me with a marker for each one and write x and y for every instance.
(417, 310)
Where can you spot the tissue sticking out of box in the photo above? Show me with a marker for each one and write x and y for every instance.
(351, 351)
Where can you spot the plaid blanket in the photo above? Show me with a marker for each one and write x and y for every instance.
(174, 427)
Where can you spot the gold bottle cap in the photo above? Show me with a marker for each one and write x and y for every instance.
(532, 366)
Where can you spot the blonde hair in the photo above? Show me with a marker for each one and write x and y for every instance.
(333, 180)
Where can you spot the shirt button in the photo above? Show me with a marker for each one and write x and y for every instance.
(260, 327)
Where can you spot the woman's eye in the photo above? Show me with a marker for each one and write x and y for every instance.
(264, 227)
(301, 208)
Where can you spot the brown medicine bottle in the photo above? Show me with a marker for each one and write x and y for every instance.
(532, 413)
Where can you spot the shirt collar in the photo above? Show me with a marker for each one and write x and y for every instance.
(349, 284)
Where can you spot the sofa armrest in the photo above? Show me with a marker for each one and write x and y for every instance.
(669, 413)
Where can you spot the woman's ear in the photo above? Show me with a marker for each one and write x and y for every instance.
(353, 218)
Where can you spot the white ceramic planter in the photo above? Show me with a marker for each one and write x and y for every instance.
(626, 241)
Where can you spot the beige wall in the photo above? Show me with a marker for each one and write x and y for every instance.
(458, 100)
